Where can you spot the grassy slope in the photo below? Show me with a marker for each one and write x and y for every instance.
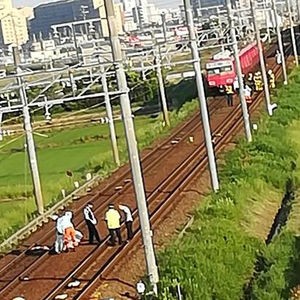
(216, 257)
(281, 272)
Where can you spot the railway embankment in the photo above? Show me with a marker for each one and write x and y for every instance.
(226, 246)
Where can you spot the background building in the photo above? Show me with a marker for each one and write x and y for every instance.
(119, 13)
(59, 12)
(13, 24)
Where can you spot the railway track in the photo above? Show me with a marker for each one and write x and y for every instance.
(90, 274)
(23, 264)
(10, 282)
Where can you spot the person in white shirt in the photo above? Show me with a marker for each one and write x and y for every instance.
(59, 234)
(128, 220)
(91, 223)
(278, 57)
(236, 85)
(248, 94)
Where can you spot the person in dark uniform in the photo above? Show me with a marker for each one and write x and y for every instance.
(91, 222)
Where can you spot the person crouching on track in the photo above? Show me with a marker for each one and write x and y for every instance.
(69, 232)
(91, 222)
(229, 94)
(112, 218)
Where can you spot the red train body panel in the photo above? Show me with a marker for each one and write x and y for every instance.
(222, 71)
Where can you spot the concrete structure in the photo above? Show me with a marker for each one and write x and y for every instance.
(198, 4)
(13, 24)
(58, 12)
(119, 14)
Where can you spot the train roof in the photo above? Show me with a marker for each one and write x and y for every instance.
(247, 48)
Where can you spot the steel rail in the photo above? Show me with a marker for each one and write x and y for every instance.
(38, 260)
(93, 198)
(161, 210)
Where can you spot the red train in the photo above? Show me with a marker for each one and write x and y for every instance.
(221, 69)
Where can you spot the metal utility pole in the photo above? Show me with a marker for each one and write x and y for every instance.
(112, 131)
(280, 45)
(31, 148)
(292, 32)
(164, 27)
(132, 147)
(72, 83)
(267, 18)
(85, 10)
(239, 72)
(261, 59)
(161, 87)
(157, 63)
(75, 41)
(201, 96)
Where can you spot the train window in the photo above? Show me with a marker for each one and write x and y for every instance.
(226, 69)
(213, 71)
(219, 70)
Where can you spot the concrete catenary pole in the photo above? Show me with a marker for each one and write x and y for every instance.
(239, 72)
(292, 32)
(109, 113)
(201, 96)
(132, 147)
(280, 45)
(161, 85)
(261, 59)
(31, 148)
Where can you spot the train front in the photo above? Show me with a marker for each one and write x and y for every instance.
(219, 72)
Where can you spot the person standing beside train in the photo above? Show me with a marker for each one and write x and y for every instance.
(258, 82)
(229, 94)
(236, 85)
(278, 57)
(271, 79)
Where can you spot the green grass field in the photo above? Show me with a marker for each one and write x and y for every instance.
(81, 150)
(78, 150)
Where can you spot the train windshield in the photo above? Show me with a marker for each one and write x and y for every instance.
(219, 67)
(219, 70)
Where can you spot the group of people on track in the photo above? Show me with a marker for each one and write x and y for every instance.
(251, 83)
(67, 237)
